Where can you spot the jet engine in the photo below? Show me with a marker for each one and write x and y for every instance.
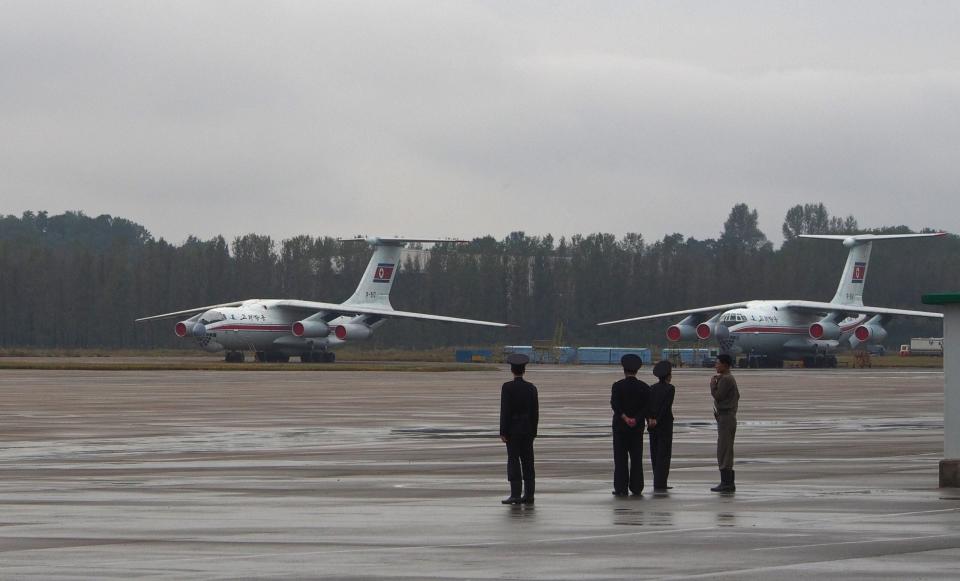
(685, 330)
(867, 334)
(311, 329)
(824, 331)
(710, 328)
(870, 332)
(681, 333)
(181, 329)
(352, 332)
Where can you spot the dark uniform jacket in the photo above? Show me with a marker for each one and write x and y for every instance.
(519, 408)
(661, 402)
(629, 396)
(725, 394)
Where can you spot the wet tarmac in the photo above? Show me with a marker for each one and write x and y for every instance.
(215, 475)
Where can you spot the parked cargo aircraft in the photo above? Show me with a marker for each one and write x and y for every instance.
(276, 329)
(767, 332)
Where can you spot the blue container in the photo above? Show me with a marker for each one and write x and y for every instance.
(593, 355)
(473, 355)
(522, 350)
(643, 353)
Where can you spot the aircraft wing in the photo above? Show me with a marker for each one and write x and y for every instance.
(311, 306)
(854, 309)
(674, 313)
(192, 311)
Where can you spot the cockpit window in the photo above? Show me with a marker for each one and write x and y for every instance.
(212, 317)
(733, 318)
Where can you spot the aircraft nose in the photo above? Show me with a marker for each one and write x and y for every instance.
(199, 330)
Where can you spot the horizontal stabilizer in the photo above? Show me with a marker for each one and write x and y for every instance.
(396, 241)
(861, 238)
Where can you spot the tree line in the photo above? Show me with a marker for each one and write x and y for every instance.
(74, 281)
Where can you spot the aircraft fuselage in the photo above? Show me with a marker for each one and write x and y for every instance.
(779, 333)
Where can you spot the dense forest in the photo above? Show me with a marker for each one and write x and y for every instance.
(76, 281)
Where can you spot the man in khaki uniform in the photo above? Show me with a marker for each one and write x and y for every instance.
(726, 396)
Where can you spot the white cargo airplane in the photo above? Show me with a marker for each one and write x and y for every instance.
(276, 329)
(768, 332)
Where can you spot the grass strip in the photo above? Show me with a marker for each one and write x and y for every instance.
(67, 365)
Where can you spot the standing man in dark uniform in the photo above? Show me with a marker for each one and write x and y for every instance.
(628, 398)
(519, 415)
(726, 397)
(660, 424)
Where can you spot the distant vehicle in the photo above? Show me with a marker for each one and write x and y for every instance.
(276, 329)
(923, 346)
(765, 333)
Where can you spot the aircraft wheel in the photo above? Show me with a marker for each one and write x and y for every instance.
(329, 357)
(234, 357)
(832, 362)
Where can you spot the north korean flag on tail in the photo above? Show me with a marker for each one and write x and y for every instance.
(383, 272)
(859, 270)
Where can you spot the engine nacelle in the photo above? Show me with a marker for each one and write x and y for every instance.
(824, 331)
(681, 332)
(706, 330)
(310, 329)
(352, 332)
(869, 333)
(181, 329)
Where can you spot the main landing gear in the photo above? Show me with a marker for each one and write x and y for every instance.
(234, 357)
(272, 357)
(278, 357)
(820, 361)
(759, 361)
(318, 357)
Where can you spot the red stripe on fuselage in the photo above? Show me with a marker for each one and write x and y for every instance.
(783, 330)
(790, 330)
(274, 328)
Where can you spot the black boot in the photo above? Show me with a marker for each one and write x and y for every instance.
(726, 482)
(516, 487)
(528, 489)
(723, 482)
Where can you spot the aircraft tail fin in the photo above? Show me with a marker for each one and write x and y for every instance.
(850, 289)
(377, 280)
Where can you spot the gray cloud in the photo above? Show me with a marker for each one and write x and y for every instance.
(459, 118)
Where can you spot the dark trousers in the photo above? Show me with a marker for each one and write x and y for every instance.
(628, 475)
(726, 431)
(520, 458)
(661, 451)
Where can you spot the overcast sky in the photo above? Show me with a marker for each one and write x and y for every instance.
(471, 118)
